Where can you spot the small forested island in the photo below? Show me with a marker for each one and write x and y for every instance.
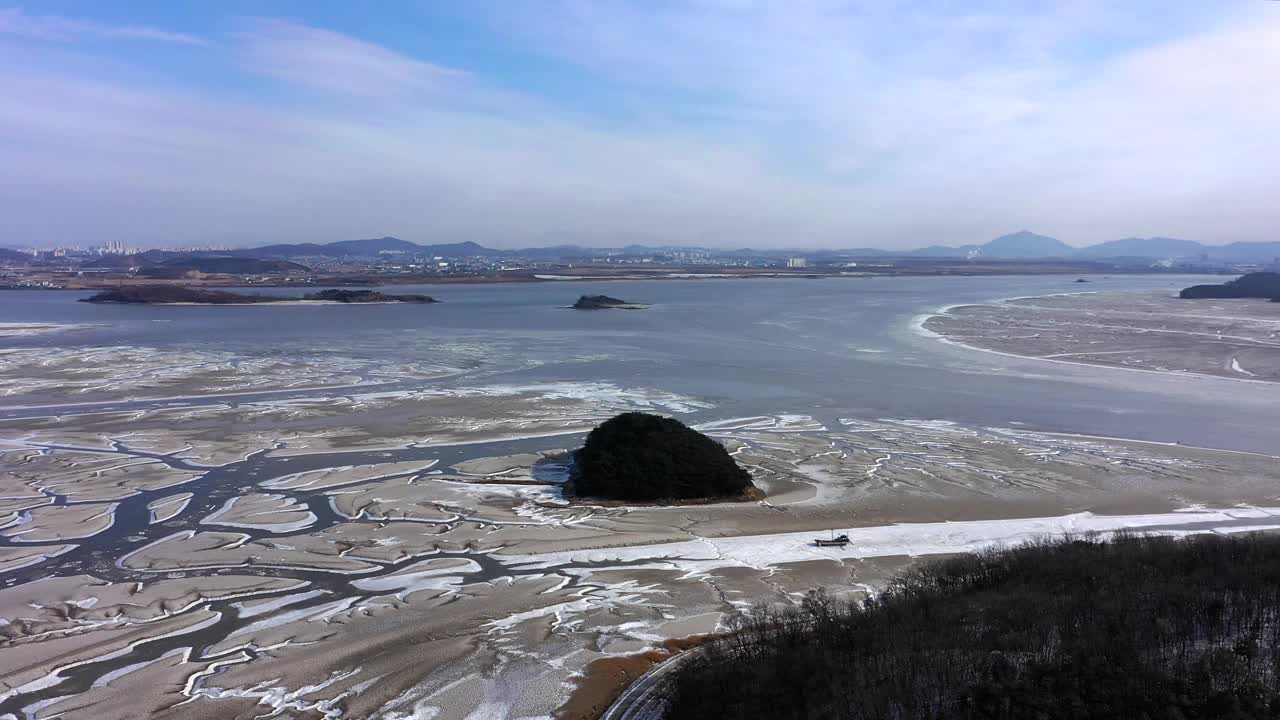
(639, 457)
(179, 295)
(1253, 285)
(604, 302)
(365, 296)
(1067, 629)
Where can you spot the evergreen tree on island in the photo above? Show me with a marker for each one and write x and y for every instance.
(642, 457)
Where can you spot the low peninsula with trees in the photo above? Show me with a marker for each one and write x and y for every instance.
(640, 457)
(1254, 285)
(604, 302)
(179, 295)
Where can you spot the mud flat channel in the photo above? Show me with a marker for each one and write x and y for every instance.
(299, 559)
(314, 528)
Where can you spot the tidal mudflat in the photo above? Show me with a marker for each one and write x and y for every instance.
(327, 582)
(402, 546)
(1236, 338)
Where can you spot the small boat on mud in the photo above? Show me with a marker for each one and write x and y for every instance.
(833, 541)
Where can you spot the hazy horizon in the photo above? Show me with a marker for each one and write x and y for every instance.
(710, 123)
(651, 243)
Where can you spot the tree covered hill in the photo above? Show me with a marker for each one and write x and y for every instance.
(1253, 285)
(642, 457)
(1075, 629)
(178, 294)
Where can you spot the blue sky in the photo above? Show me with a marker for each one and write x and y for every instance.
(718, 122)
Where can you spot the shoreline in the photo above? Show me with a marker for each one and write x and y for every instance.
(624, 306)
(264, 302)
(195, 398)
(910, 539)
(21, 330)
(917, 326)
(538, 278)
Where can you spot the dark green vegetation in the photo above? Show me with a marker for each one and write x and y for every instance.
(230, 265)
(365, 296)
(642, 457)
(118, 261)
(162, 294)
(368, 247)
(169, 294)
(14, 257)
(1253, 285)
(600, 302)
(154, 265)
(1071, 628)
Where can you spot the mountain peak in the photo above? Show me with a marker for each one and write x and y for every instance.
(1025, 244)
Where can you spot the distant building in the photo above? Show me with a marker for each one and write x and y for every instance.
(797, 262)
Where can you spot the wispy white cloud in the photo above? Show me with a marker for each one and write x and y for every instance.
(959, 124)
(329, 61)
(15, 21)
(788, 124)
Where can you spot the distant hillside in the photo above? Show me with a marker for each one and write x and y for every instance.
(367, 248)
(119, 261)
(282, 251)
(239, 265)
(944, 251)
(1268, 251)
(463, 249)
(156, 263)
(1155, 247)
(1025, 244)
(554, 252)
(372, 247)
(1021, 245)
(1031, 246)
(1161, 248)
(14, 257)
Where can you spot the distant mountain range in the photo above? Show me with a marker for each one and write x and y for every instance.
(1022, 245)
(1026, 245)
(366, 248)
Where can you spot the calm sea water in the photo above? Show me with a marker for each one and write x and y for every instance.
(832, 348)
